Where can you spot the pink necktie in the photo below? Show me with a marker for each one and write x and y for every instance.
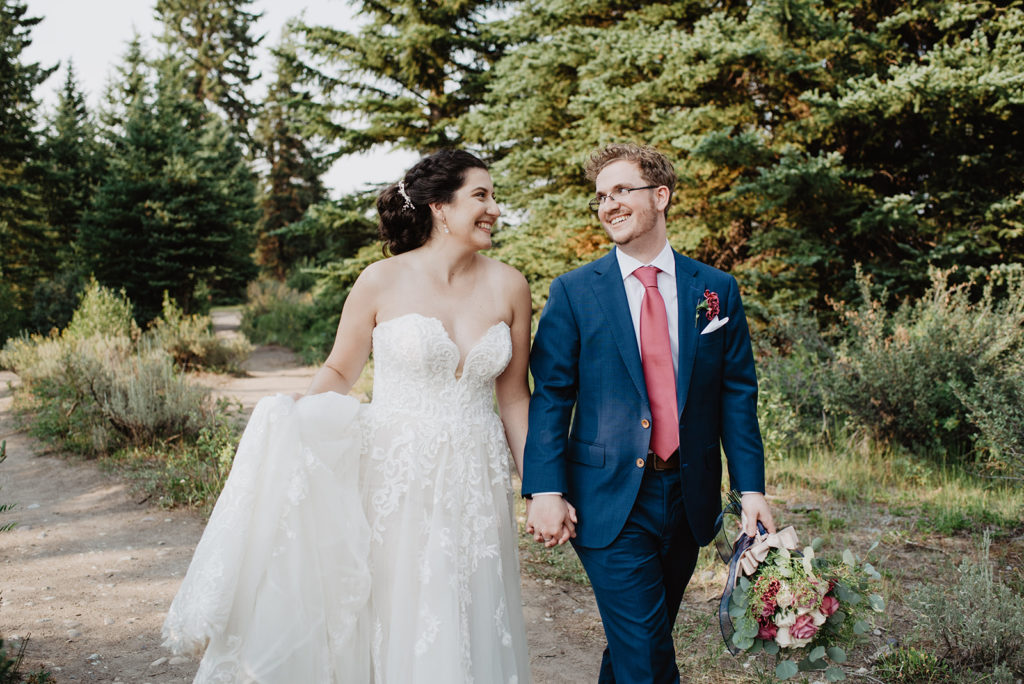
(656, 353)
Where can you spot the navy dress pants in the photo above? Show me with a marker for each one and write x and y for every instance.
(639, 581)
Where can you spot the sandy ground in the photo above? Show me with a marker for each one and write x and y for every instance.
(89, 571)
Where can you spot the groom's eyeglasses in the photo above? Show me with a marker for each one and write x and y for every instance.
(618, 194)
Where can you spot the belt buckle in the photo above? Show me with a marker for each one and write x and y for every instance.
(654, 462)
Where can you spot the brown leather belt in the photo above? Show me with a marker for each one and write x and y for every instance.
(654, 462)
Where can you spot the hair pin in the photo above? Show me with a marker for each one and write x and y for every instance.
(401, 191)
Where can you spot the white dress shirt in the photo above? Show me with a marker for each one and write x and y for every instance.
(666, 262)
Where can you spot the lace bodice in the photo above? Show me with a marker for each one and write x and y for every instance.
(415, 366)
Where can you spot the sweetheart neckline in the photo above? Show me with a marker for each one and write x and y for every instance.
(462, 360)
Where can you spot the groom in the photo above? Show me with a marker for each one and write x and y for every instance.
(642, 366)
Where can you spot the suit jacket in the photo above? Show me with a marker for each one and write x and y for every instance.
(589, 404)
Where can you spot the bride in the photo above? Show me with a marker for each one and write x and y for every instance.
(376, 543)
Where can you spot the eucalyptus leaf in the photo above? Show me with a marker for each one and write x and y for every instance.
(786, 669)
(747, 626)
(835, 674)
(757, 647)
(737, 611)
(847, 595)
(861, 627)
(817, 654)
(870, 571)
(877, 603)
(744, 584)
(816, 544)
(849, 558)
(742, 642)
(837, 618)
(771, 648)
(836, 654)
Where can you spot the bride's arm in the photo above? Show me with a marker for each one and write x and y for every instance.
(511, 387)
(352, 343)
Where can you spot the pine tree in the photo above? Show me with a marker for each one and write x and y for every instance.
(406, 77)
(175, 210)
(295, 165)
(214, 39)
(72, 165)
(131, 81)
(26, 256)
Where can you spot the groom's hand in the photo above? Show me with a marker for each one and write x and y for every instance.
(755, 508)
(551, 519)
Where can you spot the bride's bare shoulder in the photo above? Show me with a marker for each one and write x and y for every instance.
(385, 270)
(500, 270)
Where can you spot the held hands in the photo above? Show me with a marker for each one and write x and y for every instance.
(550, 519)
(755, 508)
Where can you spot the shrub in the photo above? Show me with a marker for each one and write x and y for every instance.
(97, 386)
(191, 342)
(185, 473)
(980, 623)
(791, 355)
(996, 406)
(101, 311)
(898, 375)
(144, 399)
(276, 314)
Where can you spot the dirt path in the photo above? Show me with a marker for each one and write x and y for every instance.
(88, 573)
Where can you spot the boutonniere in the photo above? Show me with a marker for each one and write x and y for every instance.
(708, 304)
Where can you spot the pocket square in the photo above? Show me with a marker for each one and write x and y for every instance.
(714, 325)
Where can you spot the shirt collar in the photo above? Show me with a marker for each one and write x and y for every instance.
(664, 261)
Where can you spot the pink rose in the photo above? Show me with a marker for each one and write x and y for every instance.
(804, 627)
(829, 605)
(767, 631)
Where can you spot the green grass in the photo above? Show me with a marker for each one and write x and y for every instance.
(942, 499)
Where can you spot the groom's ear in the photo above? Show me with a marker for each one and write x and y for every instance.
(662, 195)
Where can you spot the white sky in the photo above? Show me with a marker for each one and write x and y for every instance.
(95, 33)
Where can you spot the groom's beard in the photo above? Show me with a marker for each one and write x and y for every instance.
(642, 220)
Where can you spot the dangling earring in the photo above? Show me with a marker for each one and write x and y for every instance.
(445, 222)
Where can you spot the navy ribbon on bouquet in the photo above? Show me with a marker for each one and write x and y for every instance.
(743, 543)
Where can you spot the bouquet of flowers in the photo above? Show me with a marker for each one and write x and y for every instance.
(795, 605)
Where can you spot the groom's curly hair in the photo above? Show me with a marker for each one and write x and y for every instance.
(655, 168)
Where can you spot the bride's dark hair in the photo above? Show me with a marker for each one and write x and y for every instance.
(405, 219)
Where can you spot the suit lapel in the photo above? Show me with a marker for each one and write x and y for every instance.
(689, 293)
(610, 295)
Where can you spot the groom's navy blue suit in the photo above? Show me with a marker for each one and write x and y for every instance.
(639, 529)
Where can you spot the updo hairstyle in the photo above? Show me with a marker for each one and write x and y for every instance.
(432, 179)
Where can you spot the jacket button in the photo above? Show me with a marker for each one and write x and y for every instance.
(639, 463)
(645, 423)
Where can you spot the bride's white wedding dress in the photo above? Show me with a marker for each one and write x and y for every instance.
(367, 543)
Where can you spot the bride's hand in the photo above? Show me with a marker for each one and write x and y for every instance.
(549, 520)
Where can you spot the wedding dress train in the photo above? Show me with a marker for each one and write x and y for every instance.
(367, 543)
